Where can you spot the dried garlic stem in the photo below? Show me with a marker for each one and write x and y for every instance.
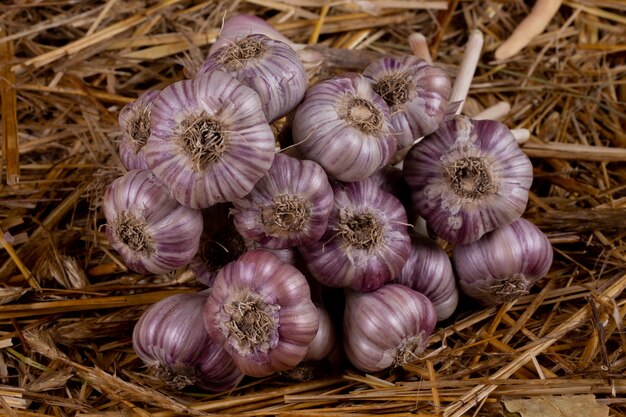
(495, 112)
(467, 68)
(534, 24)
(521, 135)
(419, 46)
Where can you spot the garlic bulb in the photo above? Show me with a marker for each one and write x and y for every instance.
(241, 25)
(269, 67)
(429, 271)
(386, 328)
(344, 126)
(135, 121)
(366, 242)
(468, 178)
(504, 264)
(210, 142)
(323, 353)
(151, 231)
(169, 338)
(417, 94)
(260, 309)
(288, 207)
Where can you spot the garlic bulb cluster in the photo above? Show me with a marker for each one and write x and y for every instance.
(468, 178)
(150, 230)
(169, 338)
(503, 264)
(264, 230)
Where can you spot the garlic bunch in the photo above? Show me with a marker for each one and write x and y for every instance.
(151, 231)
(429, 271)
(260, 310)
(289, 206)
(417, 94)
(268, 66)
(135, 120)
(468, 178)
(366, 242)
(386, 328)
(169, 338)
(343, 125)
(504, 264)
(210, 142)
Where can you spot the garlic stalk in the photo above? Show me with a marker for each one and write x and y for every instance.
(504, 264)
(468, 178)
(210, 142)
(151, 231)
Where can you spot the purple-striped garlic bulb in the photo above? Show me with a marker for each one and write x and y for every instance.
(151, 231)
(260, 310)
(468, 178)
(366, 241)
(386, 328)
(343, 125)
(135, 122)
(210, 142)
(269, 67)
(239, 26)
(417, 94)
(288, 207)
(504, 264)
(170, 339)
(429, 271)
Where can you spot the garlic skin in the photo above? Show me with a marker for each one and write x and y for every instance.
(288, 207)
(386, 328)
(210, 142)
(344, 126)
(170, 338)
(366, 241)
(468, 178)
(135, 121)
(429, 271)
(150, 230)
(504, 264)
(416, 92)
(239, 26)
(260, 310)
(269, 67)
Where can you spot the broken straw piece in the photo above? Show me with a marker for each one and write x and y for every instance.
(467, 68)
(532, 25)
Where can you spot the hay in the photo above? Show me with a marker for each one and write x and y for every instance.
(69, 304)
